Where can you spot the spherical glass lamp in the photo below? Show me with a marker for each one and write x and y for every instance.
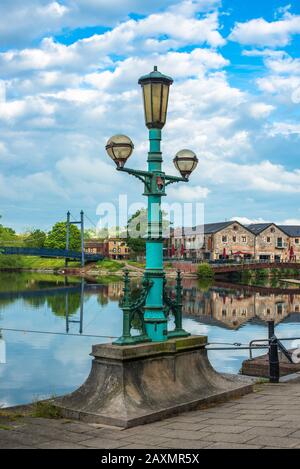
(119, 148)
(185, 162)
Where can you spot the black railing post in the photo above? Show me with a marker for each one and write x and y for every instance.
(273, 354)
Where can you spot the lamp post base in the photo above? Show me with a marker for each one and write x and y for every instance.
(139, 384)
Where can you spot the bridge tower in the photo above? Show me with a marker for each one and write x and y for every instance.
(76, 222)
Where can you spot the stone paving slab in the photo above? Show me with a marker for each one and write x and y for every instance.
(268, 419)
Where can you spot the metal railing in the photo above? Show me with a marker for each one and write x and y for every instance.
(274, 345)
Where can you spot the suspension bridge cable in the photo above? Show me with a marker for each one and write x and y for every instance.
(91, 221)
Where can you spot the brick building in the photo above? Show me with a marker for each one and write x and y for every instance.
(232, 240)
(114, 248)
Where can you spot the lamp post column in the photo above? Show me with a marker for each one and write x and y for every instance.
(154, 316)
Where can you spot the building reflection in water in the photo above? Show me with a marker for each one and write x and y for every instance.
(225, 306)
(231, 308)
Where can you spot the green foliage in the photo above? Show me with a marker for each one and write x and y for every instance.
(58, 306)
(205, 271)
(8, 236)
(35, 239)
(137, 229)
(57, 237)
(261, 273)
(10, 262)
(136, 245)
(205, 283)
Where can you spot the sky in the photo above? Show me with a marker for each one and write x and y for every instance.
(68, 82)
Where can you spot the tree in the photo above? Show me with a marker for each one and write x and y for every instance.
(7, 235)
(35, 239)
(137, 231)
(56, 238)
(137, 228)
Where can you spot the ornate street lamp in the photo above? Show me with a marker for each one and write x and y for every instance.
(153, 304)
(119, 148)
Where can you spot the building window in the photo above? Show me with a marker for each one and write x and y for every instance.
(272, 230)
(279, 242)
(224, 239)
(268, 239)
(114, 249)
(234, 239)
(235, 228)
(244, 239)
(297, 241)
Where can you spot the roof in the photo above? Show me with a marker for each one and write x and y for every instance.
(257, 228)
(215, 227)
(291, 230)
(209, 228)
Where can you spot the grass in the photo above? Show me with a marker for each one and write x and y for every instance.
(32, 262)
(5, 427)
(45, 409)
(140, 265)
(110, 265)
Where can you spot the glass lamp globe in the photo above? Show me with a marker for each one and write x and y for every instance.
(155, 87)
(119, 148)
(185, 162)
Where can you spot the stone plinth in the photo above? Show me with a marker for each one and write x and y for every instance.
(133, 385)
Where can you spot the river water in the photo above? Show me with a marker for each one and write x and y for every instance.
(48, 324)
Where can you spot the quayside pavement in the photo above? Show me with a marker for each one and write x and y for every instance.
(268, 418)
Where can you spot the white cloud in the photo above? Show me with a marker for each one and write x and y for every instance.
(261, 110)
(284, 128)
(189, 193)
(60, 103)
(264, 177)
(249, 221)
(262, 33)
(22, 22)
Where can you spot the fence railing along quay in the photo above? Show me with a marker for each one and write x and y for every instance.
(223, 266)
(273, 344)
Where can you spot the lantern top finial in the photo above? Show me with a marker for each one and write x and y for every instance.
(155, 77)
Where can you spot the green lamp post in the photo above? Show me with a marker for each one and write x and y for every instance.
(153, 305)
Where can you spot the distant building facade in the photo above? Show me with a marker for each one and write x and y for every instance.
(113, 248)
(234, 241)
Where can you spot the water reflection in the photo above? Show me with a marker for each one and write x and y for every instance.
(234, 306)
(225, 305)
(49, 324)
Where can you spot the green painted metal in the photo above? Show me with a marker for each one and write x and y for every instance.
(155, 318)
(153, 304)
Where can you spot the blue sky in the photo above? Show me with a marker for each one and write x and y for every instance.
(68, 81)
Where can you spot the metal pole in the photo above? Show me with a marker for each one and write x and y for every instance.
(155, 319)
(67, 237)
(81, 306)
(82, 238)
(273, 354)
(67, 312)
